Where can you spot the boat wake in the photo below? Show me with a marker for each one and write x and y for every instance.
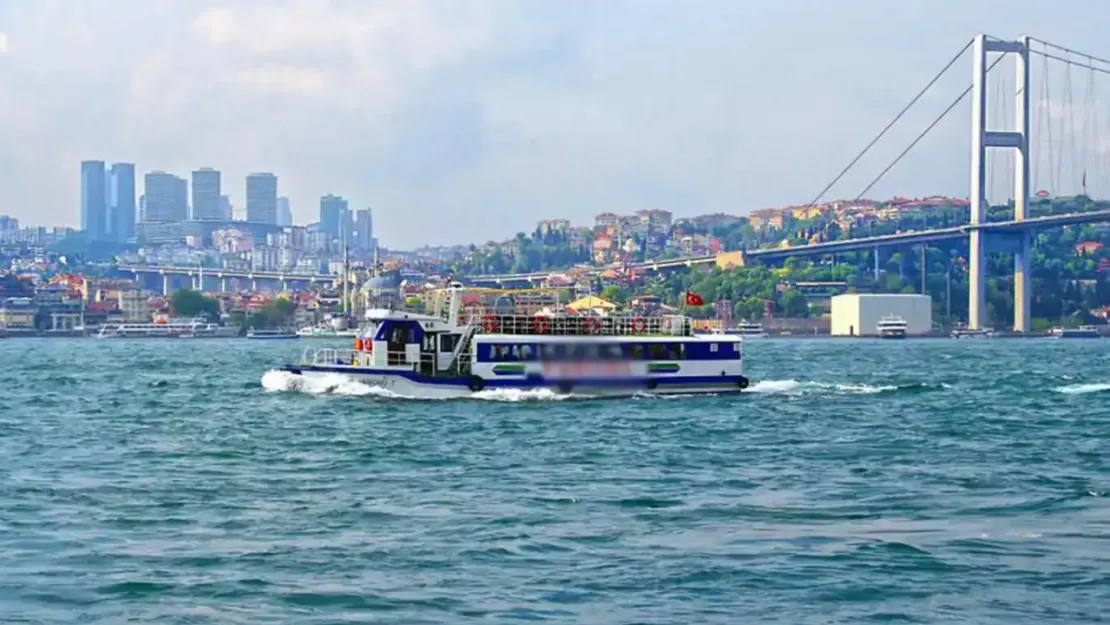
(796, 387)
(275, 381)
(1083, 389)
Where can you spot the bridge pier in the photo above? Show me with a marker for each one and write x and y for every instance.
(981, 139)
(165, 285)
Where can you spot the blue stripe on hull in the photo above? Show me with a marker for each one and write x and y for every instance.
(522, 382)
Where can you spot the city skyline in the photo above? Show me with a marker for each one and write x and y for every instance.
(496, 116)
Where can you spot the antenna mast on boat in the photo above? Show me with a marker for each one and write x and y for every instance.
(346, 276)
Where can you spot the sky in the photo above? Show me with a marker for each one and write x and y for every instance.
(463, 121)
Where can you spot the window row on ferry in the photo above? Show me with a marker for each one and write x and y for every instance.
(526, 352)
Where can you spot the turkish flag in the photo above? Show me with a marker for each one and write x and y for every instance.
(693, 299)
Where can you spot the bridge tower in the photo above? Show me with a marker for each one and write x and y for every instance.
(981, 139)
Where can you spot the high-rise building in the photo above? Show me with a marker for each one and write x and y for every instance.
(262, 198)
(121, 201)
(206, 195)
(363, 234)
(225, 208)
(94, 200)
(335, 219)
(284, 212)
(166, 198)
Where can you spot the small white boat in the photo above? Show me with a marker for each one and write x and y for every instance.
(967, 333)
(271, 334)
(1082, 332)
(892, 327)
(746, 329)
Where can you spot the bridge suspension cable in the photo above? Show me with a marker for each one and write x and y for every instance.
(890, 125)
(921, 136)
(1077, 150)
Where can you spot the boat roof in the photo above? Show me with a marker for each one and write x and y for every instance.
(607, 339)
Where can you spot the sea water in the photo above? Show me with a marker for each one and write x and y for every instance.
(927, 481)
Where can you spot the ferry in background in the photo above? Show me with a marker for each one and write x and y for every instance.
(968, 333)
(197, 327)
(1082, 332)
(323, 332)
(449, 352)
(255, 333)
(892, 327)
(746, 329)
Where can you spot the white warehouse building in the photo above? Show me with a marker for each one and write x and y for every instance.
(858, 314)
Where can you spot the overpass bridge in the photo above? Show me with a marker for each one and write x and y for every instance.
(1003, 230)
(197, 276)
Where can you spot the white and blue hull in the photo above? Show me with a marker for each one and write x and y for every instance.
(411, 384)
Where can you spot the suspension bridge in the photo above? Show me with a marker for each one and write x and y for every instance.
(1016, 144)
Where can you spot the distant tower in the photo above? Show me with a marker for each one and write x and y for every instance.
(94, 200)
(262, 198)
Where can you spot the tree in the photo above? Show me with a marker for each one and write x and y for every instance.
(190, 303)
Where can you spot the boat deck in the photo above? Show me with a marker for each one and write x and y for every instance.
(581, 325)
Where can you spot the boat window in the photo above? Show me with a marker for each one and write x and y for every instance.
(448, 342)
(713, 348)
(657, 351)
(500, 352)
(611, 352)
(676, 351)
(527, 352)
(636, 351)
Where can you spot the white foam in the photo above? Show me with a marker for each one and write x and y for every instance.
(795, 387)
(1083, 389)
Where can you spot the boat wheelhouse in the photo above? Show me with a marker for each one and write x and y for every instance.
(458, 348)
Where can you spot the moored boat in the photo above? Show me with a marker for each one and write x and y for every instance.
(1082, 332)
(450, 352)
(892, 327)
(254, 333)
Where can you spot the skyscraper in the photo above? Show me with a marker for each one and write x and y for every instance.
(284, 212)
(206, 195)
(335, 219)
(121, 201)
(94, 200)
(363, 234)
(166, 198)
(262, 198)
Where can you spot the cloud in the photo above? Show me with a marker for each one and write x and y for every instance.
(3, 42)
(460, 121)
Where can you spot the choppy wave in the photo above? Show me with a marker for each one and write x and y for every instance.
(1083, 389)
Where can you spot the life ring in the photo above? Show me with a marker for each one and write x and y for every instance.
(638, 325)
(742, 383)
(540, 325)
(591, 325)
(475, 383)
(489, 324)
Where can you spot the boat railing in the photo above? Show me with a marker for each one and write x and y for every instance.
(581, 325)
(345, 356)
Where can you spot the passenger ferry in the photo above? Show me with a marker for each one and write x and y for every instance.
(197, 327)
(1082, 332)
(448, 352)
(892, 327)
